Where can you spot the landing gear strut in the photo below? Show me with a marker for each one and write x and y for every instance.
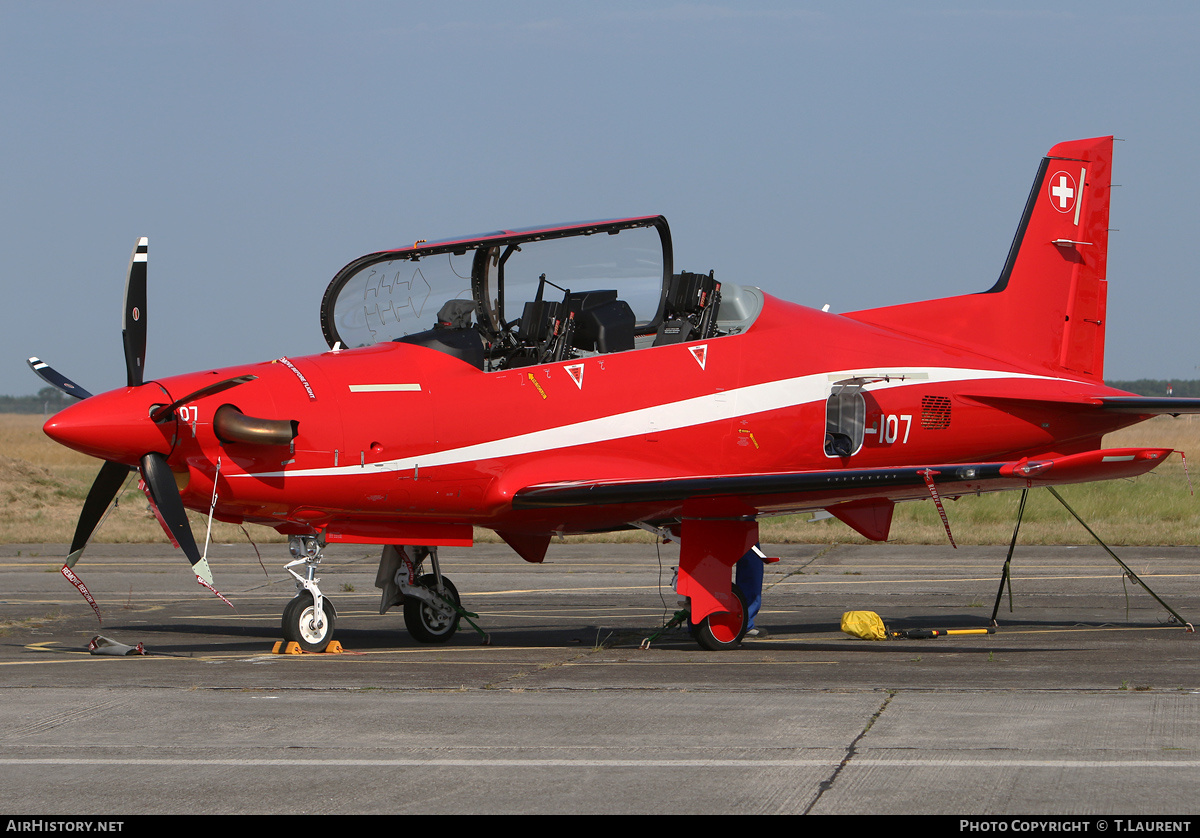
(309, 618)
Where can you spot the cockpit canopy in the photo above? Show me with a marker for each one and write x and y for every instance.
(388, 295)
(518, 297)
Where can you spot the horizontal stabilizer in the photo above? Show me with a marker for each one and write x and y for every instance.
(1137, 405)
(1142, 405)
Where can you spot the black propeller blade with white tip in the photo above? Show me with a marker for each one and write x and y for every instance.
(157, 475)
(133, 330)
(53, 377)
(133, 321)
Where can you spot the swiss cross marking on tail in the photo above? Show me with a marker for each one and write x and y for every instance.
(1062, 191)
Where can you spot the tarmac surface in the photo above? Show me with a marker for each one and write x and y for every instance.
(1085, 702)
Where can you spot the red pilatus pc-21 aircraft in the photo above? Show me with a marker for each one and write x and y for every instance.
(565, 379)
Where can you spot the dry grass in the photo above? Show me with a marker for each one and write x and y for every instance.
(43, 486)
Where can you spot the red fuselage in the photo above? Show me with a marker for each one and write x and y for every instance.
(396, 437)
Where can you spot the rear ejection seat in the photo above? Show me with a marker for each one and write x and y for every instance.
(691, 309)
(602, 322)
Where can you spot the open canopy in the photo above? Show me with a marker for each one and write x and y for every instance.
(502, 284)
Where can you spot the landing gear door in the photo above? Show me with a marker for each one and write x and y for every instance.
(845, 420)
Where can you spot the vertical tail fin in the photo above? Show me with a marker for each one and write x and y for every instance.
(1048, 307)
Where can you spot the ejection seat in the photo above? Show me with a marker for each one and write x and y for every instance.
(602, 322)
(453, 334)
(691, 309)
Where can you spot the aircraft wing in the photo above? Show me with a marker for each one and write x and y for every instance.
(825, 483)
(807, 490)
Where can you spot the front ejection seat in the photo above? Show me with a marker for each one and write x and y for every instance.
(453, 334)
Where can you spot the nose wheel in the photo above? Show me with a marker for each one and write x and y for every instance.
(308, 625)
(309, 618)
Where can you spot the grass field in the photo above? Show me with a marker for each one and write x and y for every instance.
(43, 486)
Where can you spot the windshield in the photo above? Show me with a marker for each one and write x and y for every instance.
(399, 297)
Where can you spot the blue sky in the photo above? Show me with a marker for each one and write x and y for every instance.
(855, 154)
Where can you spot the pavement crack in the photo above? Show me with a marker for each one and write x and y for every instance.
(803, 566)
(512, 682)
(851, 751)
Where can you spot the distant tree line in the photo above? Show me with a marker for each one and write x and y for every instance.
(1159, 387)
(48, 400)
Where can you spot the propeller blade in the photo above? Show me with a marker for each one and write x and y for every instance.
(166, 410)
(165, 495)
(99, 498)
(52, 376)
(133, 322)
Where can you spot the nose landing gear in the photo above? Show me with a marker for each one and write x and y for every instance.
(308, 625)
(309, 618)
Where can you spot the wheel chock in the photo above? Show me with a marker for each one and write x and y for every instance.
(293, 648)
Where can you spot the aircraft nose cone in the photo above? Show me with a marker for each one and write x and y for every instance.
(115, 426)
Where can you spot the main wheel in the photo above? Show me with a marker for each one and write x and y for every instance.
(724, 630)
(302, 624)
(424, 624)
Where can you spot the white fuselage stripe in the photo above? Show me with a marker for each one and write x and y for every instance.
(701, 410)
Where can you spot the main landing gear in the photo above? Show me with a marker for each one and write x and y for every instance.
(724, 629)
(430, 601)
(709, 548)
